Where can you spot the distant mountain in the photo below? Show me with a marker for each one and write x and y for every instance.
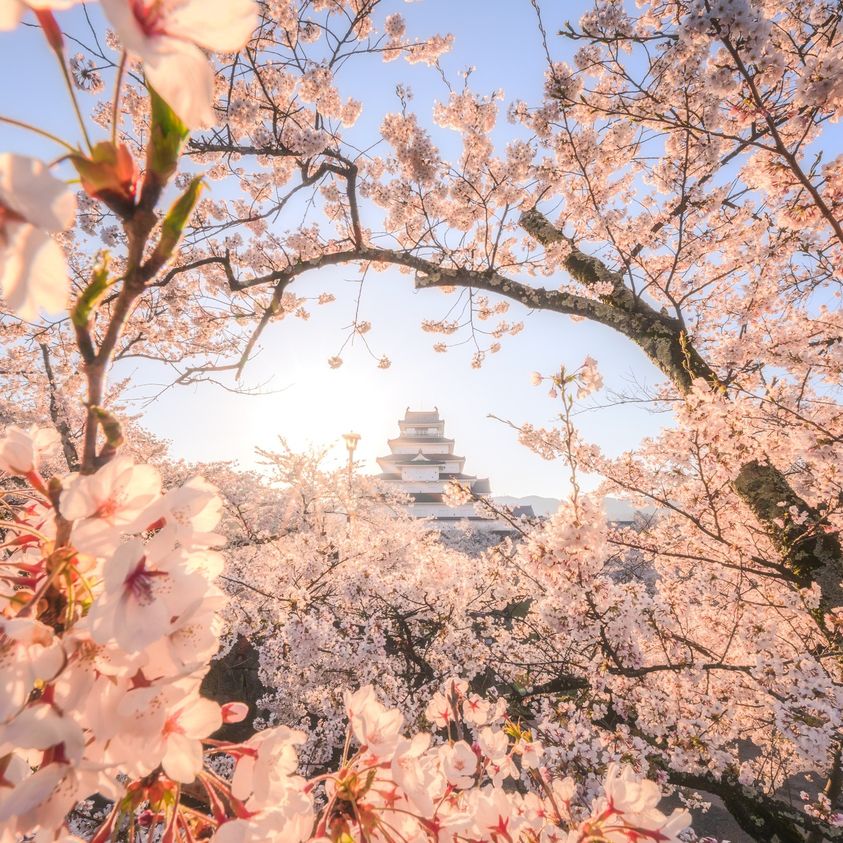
(616, 510)
(541, 506)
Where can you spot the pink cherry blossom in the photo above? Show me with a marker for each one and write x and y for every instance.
(149, 590)
(439, 711)
(193, 509)
(108, 503)
(29, 653)
(11, 11)
(531, 754)
(698, 217)
(418, 780)
(476, 710)
(266, 771)
(168, 725)
(459, 764)
(166, 35)
(375, 727)
(493, 813)
(33, 205)
(292, 820)
(41, 726)
(21, 450)
(630, 806)
(493, 743)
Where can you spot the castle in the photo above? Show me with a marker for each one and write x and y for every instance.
(421, 462)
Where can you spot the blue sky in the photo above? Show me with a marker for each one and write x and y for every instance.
(309, 403)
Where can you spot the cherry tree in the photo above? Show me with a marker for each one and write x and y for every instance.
(673, 184)
(730, 196)
(731, 200)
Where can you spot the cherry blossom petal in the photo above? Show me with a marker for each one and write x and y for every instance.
(33, 272)
(182, 760)
(121, 15)
(223, 26)
(21, 450)
(29, 189)
(180, 73)
(11, 12)
(200, 718)
(32, 791)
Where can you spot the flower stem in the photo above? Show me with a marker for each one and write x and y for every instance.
(73, 99)
(29, 127)
(52, 32)
(115, 107)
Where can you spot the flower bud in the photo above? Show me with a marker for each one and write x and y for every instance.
(234, 712)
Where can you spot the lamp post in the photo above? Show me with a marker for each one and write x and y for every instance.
(351, 440)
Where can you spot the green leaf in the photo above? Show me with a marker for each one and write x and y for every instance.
(176, 219)
(111, 427)
(167, 135)
(93, 294)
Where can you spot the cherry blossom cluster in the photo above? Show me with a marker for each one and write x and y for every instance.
(108, 622)
(108, 625)
(674, 180)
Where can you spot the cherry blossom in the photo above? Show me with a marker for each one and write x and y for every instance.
(11, 11)
(110, 502)
(21, 450)
(192, 509)
(629, 807)
(167, 37)
(33, 205)
(148, 590)
(459, 765)
(29, 654)
(674, 181)
(267, 770)
(168, 726)
(374, 726)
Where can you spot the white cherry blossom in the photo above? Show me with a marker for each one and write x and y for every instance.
(168, 37)
(33, 205)
(21, 450)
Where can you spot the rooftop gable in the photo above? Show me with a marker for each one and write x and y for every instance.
(421, 416)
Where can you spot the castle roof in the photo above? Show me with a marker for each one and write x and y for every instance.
(415, 459)
(424, 440)
(443, 475)
(421, 416)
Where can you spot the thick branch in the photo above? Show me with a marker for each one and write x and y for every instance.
(762, 817)
(810, 553)
(60, 423)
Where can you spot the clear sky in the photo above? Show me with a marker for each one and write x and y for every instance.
(309, 403)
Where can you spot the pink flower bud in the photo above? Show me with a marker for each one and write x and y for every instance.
(52, 32)
(234, 712)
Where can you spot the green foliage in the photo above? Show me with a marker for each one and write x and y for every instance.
(167, 135)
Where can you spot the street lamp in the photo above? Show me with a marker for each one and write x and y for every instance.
(351, 440)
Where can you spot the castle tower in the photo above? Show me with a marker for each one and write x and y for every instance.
(421, 463)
